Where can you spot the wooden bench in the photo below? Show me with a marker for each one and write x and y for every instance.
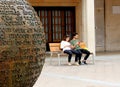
(55, 49)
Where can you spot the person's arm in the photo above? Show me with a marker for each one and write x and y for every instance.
(72, 44)
(67, 46)
(63, 45)
(75, 43)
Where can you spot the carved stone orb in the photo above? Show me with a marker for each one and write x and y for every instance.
(22, 44)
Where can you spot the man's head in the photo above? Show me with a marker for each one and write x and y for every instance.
(75, 35)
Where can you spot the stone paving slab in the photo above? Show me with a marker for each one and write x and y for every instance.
(104, 73)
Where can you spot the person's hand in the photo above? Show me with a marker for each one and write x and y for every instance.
(72, 46)
(77, 43)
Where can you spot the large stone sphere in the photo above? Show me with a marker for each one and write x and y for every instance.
(22, 44)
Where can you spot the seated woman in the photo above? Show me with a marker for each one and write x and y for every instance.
(67, 48)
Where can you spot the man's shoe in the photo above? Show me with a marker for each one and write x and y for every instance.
(79, 62)
(84, 62)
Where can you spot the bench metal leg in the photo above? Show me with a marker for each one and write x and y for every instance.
(51, 54)
(93, 61)
(59, 63)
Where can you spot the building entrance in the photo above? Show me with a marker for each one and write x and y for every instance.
(57, 22)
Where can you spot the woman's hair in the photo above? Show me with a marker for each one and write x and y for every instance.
(74, 34)
(66, 37)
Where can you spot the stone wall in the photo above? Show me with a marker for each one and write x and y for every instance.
(112, 25)
(108, 28)
(100, 25)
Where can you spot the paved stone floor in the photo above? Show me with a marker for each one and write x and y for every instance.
(104, 73)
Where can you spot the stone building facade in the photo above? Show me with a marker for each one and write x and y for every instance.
(96, 21)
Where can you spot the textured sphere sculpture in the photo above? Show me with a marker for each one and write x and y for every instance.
(22, 44)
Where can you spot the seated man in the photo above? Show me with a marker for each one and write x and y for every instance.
(76, 44)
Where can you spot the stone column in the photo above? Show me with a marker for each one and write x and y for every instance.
(88, 23)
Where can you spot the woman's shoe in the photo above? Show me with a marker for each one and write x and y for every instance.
(79, 62)
(76, 63)
(69, 64)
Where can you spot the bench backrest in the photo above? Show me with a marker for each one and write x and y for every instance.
(54, 47)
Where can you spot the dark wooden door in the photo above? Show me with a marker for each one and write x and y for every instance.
(57, 22)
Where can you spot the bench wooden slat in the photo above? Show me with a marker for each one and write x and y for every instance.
(54, 47)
